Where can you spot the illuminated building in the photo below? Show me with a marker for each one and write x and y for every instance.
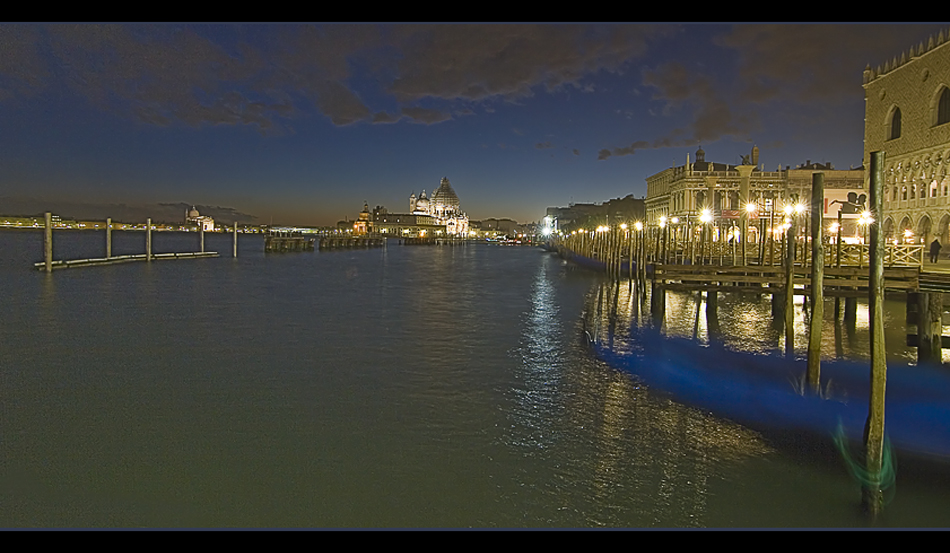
(194, 218)
(683, 192)
(443, 207)
(907, 116)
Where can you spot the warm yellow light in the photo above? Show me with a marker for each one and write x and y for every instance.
(706, 216)
(788, 209)
(623, 226)
(833, 228)
(638, 225)
(908, 233)
(799, 208)
(675, 220)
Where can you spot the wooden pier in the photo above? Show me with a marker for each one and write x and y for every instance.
(288, 242)
(49, 264)
(350, 243)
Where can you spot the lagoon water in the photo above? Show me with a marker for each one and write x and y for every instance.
(407, 386)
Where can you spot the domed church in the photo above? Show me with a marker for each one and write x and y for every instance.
(443, 206)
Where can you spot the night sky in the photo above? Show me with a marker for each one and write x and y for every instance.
(300, 124)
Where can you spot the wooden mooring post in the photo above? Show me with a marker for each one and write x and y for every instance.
(789, 307)
(873, 497)
(48, 242)
(235, 239)
(817, 276)
(108, 237)
(148, 239)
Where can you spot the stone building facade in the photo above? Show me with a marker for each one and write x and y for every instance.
(907, 116)
(683, 192)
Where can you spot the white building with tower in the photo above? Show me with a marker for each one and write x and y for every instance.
(192, 217)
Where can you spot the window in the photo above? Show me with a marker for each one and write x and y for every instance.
(895, 124)
(943, 107)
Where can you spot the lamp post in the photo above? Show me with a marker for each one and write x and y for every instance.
(705, 218)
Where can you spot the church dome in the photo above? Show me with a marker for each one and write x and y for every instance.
(445, 195)
(193, 213)
(700, 154)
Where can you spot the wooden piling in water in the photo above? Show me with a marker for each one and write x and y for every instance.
(201, 232)
(817, 279)
(873, 497)
(108, 237)
(48, 242)
(235, 239)
(789, 307)
(148, 239)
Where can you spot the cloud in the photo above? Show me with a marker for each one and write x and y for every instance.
(262, 75)
(543, 145)
(814, 63)
(712, 116)
(424, 115)
(340, 104)
(603, 154)
(576, 152)
(476, 62)
(383, 117)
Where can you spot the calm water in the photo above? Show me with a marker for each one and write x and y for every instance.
(403, 387)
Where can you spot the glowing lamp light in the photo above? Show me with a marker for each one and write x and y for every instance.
(706, 216)
(638, 225)
(623, 226)
(663, 221)
(675, 220)
(750, 208)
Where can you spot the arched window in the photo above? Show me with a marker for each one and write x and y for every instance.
(943, 107)
(895, 124)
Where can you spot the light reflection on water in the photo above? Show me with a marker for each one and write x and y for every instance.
(405, 386)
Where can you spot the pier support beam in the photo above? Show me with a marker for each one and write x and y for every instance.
(48, 242)
(108, 237)
(148, 239)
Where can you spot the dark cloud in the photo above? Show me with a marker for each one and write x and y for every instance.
(576, 152)
(809, 63)
(22, 70)
(340, 104)
(424, 115)
(713, 117)
(198, 74)
(543, 145)
(481, 61)
(383, 117)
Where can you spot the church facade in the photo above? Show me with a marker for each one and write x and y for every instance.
(443, 207)
(907, 116)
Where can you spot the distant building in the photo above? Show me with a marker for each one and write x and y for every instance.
(444, 206)
(907, 115)
(612, 212)
(685, 191)
(192, 217)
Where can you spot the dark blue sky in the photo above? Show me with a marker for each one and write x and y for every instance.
(304, 123)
